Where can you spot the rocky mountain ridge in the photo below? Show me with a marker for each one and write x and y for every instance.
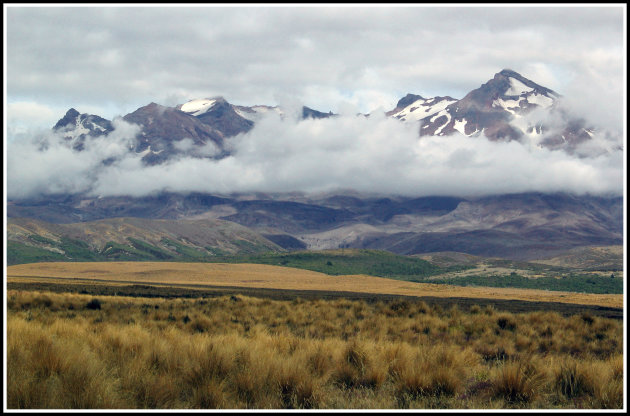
(502, 109)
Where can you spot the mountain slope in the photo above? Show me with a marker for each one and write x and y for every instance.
(162, 128)
(218, 114)
(130, 239)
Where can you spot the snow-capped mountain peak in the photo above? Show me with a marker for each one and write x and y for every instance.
(490, 109)
(519, 94)
(198, 106)
(75, 127)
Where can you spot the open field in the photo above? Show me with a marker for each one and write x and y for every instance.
(587, 270)
(284, 278)
(172, 335)
(114, 352)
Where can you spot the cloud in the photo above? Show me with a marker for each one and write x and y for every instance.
(46, 163)
(373, 155)
(131, 55)
(22, 116)
(113, 60)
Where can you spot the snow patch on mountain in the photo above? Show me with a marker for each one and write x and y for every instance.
(517, 87)
(79, 128)
(540, 100)
(507, 105)
(256, 112)
(422, 108)
(198, 107)
(460, 126)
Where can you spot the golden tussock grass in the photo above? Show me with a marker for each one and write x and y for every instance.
(241, 352)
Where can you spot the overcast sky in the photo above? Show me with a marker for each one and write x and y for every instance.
(111, 60)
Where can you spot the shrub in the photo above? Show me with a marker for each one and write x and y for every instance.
(94, 304)
(43, 301)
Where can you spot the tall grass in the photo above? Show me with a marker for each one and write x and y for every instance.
(240, 352)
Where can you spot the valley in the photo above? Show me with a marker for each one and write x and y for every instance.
(550, 264)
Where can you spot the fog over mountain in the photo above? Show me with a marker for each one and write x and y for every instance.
(109, 63)
(374, 154)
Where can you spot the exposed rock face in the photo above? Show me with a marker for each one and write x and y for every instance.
(162, 127)
(310, 113)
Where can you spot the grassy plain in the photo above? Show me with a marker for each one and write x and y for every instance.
(284, 278)
(110, 352)
(587, 270)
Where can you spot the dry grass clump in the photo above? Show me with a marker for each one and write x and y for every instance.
(432, 372)
(240, 352)
(517, 381)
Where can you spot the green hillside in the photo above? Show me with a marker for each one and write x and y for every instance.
(345, 262)
(584, 283)
(130, 239)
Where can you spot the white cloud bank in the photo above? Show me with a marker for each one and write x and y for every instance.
(374, 155)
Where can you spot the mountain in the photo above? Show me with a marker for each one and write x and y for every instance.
(517, 226)
(76, 127)
(255, 113)
(488, 109)
(414, 107)
(218, 114)
(196, 128)
(310, 113)
(163, 128)
(507, 107)
(502, 109)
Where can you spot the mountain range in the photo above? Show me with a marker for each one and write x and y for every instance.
(518, 226)
(508, 107)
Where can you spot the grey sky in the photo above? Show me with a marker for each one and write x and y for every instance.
(112, 60)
